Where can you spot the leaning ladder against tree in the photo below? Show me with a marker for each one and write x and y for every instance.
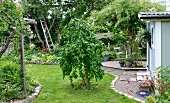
(33, 22)
(48, 39)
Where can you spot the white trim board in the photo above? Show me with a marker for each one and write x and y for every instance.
(157, 43)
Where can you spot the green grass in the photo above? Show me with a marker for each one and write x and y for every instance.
(57, 90)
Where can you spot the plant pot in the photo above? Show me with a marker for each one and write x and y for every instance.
(106, 58)
(128, 64)
(121, 64)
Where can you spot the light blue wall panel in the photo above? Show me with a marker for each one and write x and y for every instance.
(165, 44)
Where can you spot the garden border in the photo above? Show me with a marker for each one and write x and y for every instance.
(30, 97)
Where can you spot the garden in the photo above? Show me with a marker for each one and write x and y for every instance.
(59, 46)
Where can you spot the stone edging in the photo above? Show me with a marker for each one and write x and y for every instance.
(125, 94)
(31, 97)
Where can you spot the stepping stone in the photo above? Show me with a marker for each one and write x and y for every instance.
(133, 79)
(143, 76)
(123, 79)
(143, 73)
(129, 73)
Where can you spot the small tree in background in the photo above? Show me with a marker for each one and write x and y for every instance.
(81, 53)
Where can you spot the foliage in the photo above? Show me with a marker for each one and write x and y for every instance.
(58, 13)
(123, 14)
(129, 59)
(105, 53)
(81, 55)
(11, 18)
(112, 55)
(12, 23)
(136, 51)
(109, 53)
(55, 90)
(146, 36)
(11, 84)
(40, 57)
(122, 61)
(162, 87)
(121, 18)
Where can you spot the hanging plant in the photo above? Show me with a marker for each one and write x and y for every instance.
(146, 36)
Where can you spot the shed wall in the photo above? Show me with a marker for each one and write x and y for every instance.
(165, 43)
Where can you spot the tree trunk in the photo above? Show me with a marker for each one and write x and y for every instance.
(58, 38)
(87, 77)
(39, 37)
(92, 6)
(51, 25)
(58, 34)
(7, 43)
(130, 41)
(57, 30)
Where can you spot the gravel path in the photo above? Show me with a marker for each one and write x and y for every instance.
(126, 81)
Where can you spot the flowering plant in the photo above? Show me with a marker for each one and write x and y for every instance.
(159, 86)
(161, 93)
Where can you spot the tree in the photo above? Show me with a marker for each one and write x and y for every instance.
(39, 10)
(127, 17)
(12, 23)
(81, 55)
(122, 16)
(58, 13)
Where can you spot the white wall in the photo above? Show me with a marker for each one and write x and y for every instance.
(157, 44)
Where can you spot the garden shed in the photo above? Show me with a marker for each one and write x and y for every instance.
(158, 51)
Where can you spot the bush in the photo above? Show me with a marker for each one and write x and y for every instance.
(81, 53)
(11, 82)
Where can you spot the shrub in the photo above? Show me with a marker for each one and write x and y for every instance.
(81, 55)
(11, 82)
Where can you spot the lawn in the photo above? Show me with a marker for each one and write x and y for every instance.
(57, 90)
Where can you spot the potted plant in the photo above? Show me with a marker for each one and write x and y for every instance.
(121, 62)
(128, 62)
(106, 55)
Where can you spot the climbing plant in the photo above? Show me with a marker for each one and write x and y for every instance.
(81, 54)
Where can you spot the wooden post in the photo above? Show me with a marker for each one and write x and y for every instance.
(23, 64)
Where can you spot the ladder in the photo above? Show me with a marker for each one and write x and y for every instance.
(47, 35)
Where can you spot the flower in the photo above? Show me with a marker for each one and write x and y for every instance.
(32, 46)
